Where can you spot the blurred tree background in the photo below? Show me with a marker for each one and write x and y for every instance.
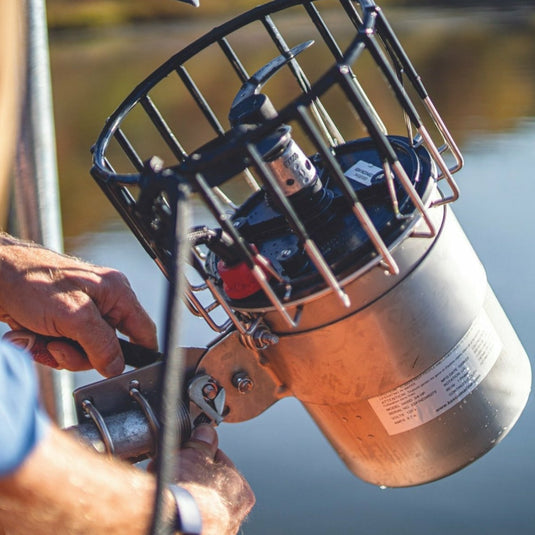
(482, 81)
(87, 13)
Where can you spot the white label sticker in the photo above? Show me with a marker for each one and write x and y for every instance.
(443, 385)
(363, 172)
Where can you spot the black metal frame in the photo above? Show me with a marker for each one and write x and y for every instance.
(373, 33)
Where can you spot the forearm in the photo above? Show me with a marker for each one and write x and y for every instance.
(65, 488)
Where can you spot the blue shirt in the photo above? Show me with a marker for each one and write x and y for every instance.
(22, 421)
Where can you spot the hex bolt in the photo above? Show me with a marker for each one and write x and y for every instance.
(243, 383)
(263, 338)
(210, 391)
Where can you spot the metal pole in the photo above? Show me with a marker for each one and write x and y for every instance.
(36, 184)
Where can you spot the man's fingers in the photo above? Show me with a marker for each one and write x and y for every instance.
(96, 337)
(118, 303)
(68, 357)
(203, 439)
(139, 327)
(103, 350)
(111, 305)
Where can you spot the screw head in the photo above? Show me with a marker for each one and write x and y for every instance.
(285, 253)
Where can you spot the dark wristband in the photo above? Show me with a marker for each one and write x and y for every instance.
(187, 515)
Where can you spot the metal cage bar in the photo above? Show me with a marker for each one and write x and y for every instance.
(200, 100)
(167, 134)
(374, 36)
(129, 150)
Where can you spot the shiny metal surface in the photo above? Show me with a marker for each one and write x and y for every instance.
(445, 444)
(293, 169)
(228, 359)
(335, 368)
(129, 432)
(399, 326)
(36, 190)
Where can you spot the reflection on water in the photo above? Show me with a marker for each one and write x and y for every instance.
(488, 99)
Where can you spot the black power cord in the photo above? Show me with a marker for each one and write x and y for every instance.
(172, 378)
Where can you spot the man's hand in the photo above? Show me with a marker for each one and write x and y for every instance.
(58, 295)
(220, 491)
(68, 488)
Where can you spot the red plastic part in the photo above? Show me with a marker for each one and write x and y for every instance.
(238, 280)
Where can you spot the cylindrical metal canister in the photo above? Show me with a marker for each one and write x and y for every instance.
(423, 377)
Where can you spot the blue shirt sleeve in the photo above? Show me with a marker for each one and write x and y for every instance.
(22, 421)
